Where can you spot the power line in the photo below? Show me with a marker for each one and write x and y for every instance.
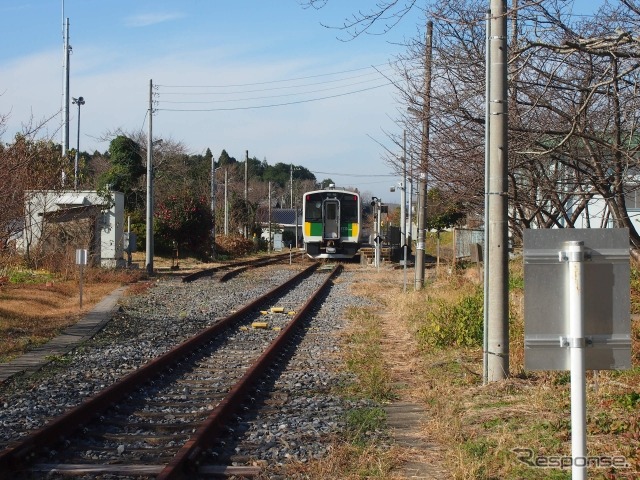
(274, 81)
(253, 107)
(376, 73)
(273, 96)
(352, 174)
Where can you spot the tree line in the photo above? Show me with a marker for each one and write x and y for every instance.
(182, 187)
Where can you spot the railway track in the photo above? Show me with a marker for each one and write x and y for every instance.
(235, 268)
(160, 420)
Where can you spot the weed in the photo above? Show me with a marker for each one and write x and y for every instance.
(629, 400)
(364, 356)
(459, 324)
(362, 423)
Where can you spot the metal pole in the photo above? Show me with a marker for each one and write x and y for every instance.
(498, 321)
(487, 161)
(149, 242)
(424, 161)
(574, 255)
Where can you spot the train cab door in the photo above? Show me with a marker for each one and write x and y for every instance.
(331, 219)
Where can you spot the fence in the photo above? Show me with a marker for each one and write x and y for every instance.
(462, 240)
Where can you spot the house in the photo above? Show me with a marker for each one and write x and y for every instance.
(283, 220)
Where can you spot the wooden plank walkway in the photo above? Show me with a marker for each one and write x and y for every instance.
(88, 326)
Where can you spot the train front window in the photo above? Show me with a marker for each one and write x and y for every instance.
(313, 209)
(349, 207)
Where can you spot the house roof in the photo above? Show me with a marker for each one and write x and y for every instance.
(280, 216)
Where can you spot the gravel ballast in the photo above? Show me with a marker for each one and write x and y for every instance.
(302, 414)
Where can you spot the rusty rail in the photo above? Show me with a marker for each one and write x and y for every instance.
(13, 459)
(208, 272)
(184, 464)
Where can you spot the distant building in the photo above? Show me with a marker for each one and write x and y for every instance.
(282, 220)
(59, 221)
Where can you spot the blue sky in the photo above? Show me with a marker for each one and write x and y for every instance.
(249, 50)
(119, 46)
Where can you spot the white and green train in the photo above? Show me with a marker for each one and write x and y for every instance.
(331, 223)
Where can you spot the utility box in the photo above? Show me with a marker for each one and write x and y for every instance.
(129, 242)
(606, 295)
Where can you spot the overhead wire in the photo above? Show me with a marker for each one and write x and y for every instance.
(375, 73)
(275, 81)
(252, 107)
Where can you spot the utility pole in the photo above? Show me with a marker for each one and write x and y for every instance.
(424, 161)
(498, 321)
(270, 236)
(246, 191)
(226, 202)
(487, 161)
(149, 233)
(214, 188)
(65, 96)
(291, 184)
(78, 101)
(403, 205)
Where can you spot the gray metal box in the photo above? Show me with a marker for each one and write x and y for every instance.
(606, 298)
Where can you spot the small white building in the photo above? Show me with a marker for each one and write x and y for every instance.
(76, 219)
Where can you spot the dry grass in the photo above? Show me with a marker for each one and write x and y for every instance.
(33, 313)
(482, 425)
(349, 462)
(479, 427)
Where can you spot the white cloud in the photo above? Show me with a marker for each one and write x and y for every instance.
(147, 19)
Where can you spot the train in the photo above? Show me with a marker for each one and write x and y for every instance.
(332, 223)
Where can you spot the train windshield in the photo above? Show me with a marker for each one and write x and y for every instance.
(349, 208)
(313, 208)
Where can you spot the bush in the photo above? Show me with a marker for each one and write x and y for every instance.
(233, 245)
(459, 324)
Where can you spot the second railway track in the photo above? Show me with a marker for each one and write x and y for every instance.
(157, 419)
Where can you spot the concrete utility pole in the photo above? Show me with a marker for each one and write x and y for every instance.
(149, 233)
(226, 202)
(498, 321)
(214, 188)
(270, 236)
(485, 259)
(403, 205)
(291, 185)
(65, 100)
(77, 101)
(65, 91)
(424, 161)
(246, 191)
